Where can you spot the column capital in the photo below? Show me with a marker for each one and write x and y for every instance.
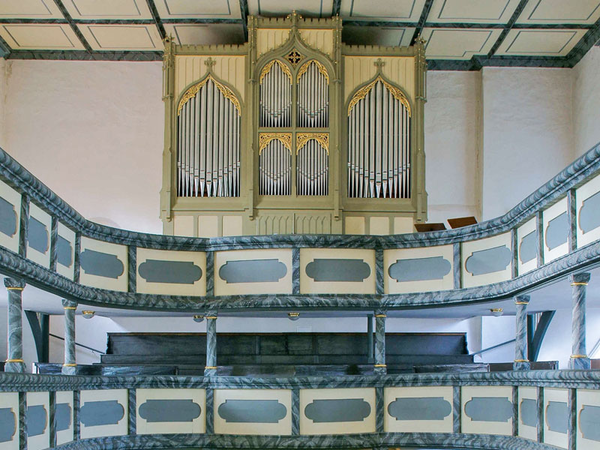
(380, 313)
(14, 284)
(69, 304)
(580, 279)
(522, 299)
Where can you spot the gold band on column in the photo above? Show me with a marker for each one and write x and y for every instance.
(14, 288)
(14, 361)
(380, 365)
(69, 307)
(380, 315)
(578, 356)
(521, 360)
(69, 365)
(521, 303)
(579, 283)
(209, 367)
(211, 317)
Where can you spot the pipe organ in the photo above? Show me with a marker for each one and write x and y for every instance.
(293, 132)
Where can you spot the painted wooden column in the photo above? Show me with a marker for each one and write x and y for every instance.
(579, 358)
(70, 365)
(380, 367)
(521, 361)
(15, 362)
(211, 345)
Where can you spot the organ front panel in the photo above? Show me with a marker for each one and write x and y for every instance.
(279, 136)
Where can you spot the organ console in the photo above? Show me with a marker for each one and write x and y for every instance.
(293, 132)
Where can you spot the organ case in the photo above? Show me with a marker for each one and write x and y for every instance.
(293, 132)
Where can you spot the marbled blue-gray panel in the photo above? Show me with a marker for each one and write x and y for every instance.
(420, 408)
(63, 416)
(107, 412)
(178, 272)
(557, 231)
(420, 269)
(337, 270)
(528, 247)
(37, 420)
(101, 264)
(589, 215)
(337, 410)
(38, 235)
(252, 411)
(528, 412)
(170, 410)
(489, 260)
(489, 409)
(8, 218)
(64, 251)
(589, 422)
(253, 271)
(557, 417)
(8, 424)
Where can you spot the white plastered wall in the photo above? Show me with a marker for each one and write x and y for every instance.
(586, 101)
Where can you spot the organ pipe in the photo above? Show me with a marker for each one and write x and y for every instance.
(313, 96)
(379, 142)
(208, 153)
(275, 164)
(275, 95)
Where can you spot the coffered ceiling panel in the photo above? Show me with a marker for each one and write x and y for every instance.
(38, 9)
(108, 9)
(560, 11)
(40, 36)
(472, 11)
(306, 8)
(445, 43)
(198, 9)
(206, 34)
(354, 35)
(122, 37)
(384, 10)
(540, 42)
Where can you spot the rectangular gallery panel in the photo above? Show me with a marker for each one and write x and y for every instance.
(337, 411)
(527, 246)
(418, 269)
(9, 421)
(65, 252)
(253, 411)
(487, 261)
(168, 272)
(244, 272)
(38, 236)
(37, 417)
(337, 271)
(487, 410)
(64, 417)
(556, 231)
(588, 212)
(528, 412)
(171, 411)
(10, 214)
(418, 409)
(556, 417)
(103, 413)
(588, 419)
(103, 265)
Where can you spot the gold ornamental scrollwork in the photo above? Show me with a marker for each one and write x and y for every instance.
(303, 138)
(192, 91)
(362, 93)
(320, 66)
(266, 138)
(285, 69)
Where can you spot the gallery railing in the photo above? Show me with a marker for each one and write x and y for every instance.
(524, 410)
(45, 242)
